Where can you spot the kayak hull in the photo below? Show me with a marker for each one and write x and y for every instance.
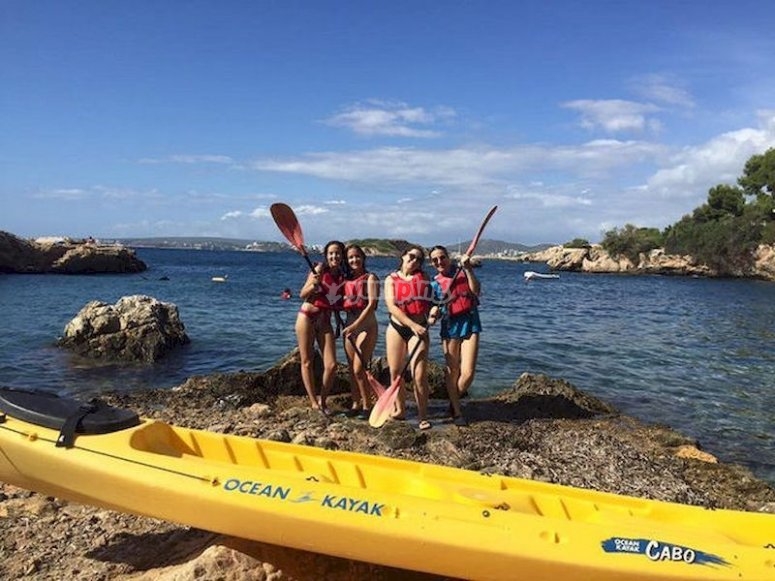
(392, 512)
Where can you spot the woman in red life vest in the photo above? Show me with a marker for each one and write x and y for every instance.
(361, 294)
(408, 299)
(322, 296)
(460, 324)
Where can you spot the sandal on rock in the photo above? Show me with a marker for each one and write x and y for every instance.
(459, 421)
(424, 425)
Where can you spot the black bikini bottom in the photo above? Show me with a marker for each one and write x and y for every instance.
(405, 332)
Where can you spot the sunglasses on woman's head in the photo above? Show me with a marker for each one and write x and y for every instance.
(413, 256)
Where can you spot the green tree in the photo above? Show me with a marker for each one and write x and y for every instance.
(631, 240)
(726, 199)
(577, 243)
(758, 177)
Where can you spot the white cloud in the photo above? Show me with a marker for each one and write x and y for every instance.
(97, 192)
(260, 213)
(391, 119)
(548, 199)
(63, 194)
(309, 210)
(614, 115)
(189, 159)
(462, 167)
(663, 89)
(694, 170)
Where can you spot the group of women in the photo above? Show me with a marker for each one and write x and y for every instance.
(341, 297)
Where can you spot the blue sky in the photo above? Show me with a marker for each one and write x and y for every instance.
(401, 119)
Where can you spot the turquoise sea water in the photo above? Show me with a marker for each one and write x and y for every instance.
(696, 354)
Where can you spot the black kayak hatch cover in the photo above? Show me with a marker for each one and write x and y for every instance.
(52, 411)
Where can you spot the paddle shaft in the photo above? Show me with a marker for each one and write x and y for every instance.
(412, 354)
(474, 242)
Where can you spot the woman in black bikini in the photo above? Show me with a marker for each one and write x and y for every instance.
(408, 299)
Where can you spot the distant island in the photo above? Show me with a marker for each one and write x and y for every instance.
(372, 246)
(201, 243)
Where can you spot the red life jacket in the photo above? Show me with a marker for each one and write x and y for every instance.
(330, 294)
(458, 296)
(412, 296)
(356, 293)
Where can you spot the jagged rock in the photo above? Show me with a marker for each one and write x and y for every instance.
(217, 562)
(689, 451)
(596, 259)
(64, 256)
(136, 328)
(764, 262)
(539, 396)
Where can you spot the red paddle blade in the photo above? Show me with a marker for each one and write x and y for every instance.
(475, 240)
(381, 411)
(376, 386)
(289, 225)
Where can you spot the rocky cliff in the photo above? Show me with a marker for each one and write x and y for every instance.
(64, 256)
(597, 259)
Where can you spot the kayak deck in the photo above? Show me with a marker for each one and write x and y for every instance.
(427, 481)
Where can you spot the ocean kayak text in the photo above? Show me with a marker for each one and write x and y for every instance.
(332, 501)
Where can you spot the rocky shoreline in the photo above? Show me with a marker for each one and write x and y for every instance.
(65, 256)
(595, 259)
(539, 428)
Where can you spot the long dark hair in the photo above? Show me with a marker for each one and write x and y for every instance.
(360, 251)
(344, 268)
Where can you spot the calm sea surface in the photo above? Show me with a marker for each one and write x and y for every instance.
(698, 355)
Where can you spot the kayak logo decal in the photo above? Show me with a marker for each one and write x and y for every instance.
(256, 488)
(659, 551)
(352, 504)
(331, 501)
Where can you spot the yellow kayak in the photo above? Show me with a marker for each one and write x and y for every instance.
(392, 512)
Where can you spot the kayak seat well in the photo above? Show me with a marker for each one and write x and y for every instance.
(160, 438)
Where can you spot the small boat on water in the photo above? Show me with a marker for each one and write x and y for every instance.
(398, 513)
(223, 278)
(532, 275)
